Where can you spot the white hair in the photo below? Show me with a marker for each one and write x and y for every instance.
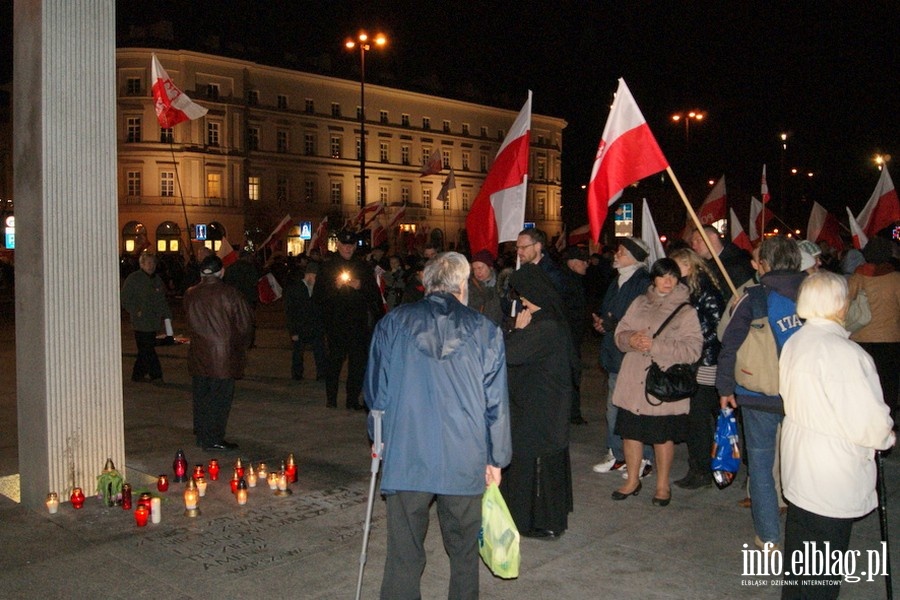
(822, 295)
(446, 272)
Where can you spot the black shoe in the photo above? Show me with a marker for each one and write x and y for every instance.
(543, 534)
(662, 501)
(617, 495)
(694, 481)
(578, 421)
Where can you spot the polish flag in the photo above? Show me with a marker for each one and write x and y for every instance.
(172, 105)
(320, 237)
(764, 188)
(449, 184)
(627, 153)
(738, 236)
(756, 224)
(823, 226)
(379, 234)
(498, 212)
(398, 216)
(883, 209)
(579, 235)
(713, 208)
(859, 238)
(434, 164)
(650, 235)
(278, 233)
(372, 210)
(227, 253)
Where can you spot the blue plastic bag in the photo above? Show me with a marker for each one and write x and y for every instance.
(726, 452)
(498, 540)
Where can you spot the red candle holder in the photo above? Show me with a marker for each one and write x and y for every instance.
(234, 481)
(239, 468)
(180, 466)
(144, 500)
(141, 514)
(291, 469)
(126, 496)
(77, 498)
(162, 484)
(198, 472)
(213, 469)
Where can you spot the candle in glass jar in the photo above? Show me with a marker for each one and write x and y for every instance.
(201, 486)
(213, 469)
(291, 469)
(234, 481)
(126, 496)
(242, 492)
(251, 478)
(198, 472)
(144, 500)
(239, 468)
(162, 483)
(273, 481)
(141, 514)
(263, 471)
(155, 510)
(282, 481)
(52, 503)
(77, 498)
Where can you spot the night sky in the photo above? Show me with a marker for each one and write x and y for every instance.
(825, 72)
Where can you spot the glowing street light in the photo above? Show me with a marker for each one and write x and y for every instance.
(687, 117)
(364, 44)
(881, 160)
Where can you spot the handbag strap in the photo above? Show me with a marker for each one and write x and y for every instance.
(670, 317)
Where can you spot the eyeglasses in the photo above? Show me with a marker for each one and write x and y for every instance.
(526, 246)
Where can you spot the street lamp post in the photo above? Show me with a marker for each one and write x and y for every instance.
(687, 117)
(784, 138)
(362, 41)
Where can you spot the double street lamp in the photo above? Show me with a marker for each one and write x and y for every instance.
(364, 43)
(687, 117)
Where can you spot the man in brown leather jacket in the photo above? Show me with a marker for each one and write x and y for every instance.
(221, 324)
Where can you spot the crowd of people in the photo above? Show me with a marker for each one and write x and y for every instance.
(503, 378)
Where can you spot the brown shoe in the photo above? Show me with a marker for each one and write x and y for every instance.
(745, 503)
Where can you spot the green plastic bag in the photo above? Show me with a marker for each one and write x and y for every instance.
(498, 540)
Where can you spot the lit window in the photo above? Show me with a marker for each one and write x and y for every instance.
(253, 188)
(213, 185)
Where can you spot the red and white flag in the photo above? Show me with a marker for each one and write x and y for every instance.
(627, 153)
(824, 226)
(378, 233)
(434, 164)
(579, 235)
(756, 210)
(172, 105)
(449, 184)
(370, 211)
(227, 253)
(398, 216)
(883, 209)
(280, 229)
(859, 238)
(498, 212)
(739, 237)
(713, 207)
(764, 188)
(320, 237)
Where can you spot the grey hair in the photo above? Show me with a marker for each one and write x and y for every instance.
(780, 253)
(823, 295)
(446, 272)
(147, 257)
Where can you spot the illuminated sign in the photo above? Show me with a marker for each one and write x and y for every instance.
(306, 230)
(200, 232)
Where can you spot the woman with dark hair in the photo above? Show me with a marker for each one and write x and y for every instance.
(706, 298)
(537, 484)
(642, 418)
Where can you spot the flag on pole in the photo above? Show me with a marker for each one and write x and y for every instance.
(627, 153)
(859, 237)
(756, 208)
(278, 233)
(378, 233)
(823, 226)
(650, 235)
(713, 207)
(398, 216)
(764, 188)
(319, 237)
(498, 212)
(370, 210)
(449, 184)
(227, 253)
(434, 164)
(738, 236)
(883, 209)
(171, 104)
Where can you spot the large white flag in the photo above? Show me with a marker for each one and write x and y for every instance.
(650, 235)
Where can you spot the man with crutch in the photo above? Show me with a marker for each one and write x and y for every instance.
(437, 371)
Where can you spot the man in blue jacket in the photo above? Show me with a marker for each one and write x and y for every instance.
(438, 371)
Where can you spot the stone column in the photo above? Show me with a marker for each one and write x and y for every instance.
(68, 341)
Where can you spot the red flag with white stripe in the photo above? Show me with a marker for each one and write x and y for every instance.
(368, 212)
(738, 236)
(579, 235)
(320, 237)
(498, 212)
(859, 237)
(824, 226)
(172, 105)
(627, 153)
(883, 209)
(713, 207)
(282, 228)
(227, 253)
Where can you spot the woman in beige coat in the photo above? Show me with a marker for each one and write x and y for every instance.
(647, 421)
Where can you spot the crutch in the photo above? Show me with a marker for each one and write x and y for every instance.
(376, 461)
(882, 518)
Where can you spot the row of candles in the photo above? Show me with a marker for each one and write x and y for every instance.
(149, 507)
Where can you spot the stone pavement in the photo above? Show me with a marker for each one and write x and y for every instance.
(307, 545)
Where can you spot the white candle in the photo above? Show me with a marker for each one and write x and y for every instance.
(251, 479)
(52, 503)
(282, 481)
(155, 510)
(201, 486)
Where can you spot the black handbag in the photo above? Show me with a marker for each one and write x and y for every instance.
(675, 383)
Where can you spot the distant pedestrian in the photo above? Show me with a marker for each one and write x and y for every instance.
(143, 296)
(438, 371)
(304, 321)
(221, 325)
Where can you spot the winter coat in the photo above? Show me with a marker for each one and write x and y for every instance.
(835, 418)
(485, 299)
(882, 286)
(615, 303)
(737, 264)
(221, 324)
(709, 304)
(345, 310)
(680, 342)
(144, 297)
(438, 371)
(303, 316)
(540, 358)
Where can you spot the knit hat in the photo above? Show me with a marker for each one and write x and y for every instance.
(636, 247)
(576, 253)
(877, 251)
(483, 256)
(807, 260)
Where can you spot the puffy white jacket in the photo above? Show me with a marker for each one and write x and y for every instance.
(835, 419)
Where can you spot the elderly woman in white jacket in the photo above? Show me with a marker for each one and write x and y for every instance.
(835, 419)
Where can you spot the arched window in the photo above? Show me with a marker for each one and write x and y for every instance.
(168, 237)
(134, 237)
(215, 233)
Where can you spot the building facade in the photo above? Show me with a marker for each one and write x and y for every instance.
(278, 142)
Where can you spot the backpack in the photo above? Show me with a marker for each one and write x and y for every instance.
(774, 321)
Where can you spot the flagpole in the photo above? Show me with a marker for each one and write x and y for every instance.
(187, 224)
(702, 231)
